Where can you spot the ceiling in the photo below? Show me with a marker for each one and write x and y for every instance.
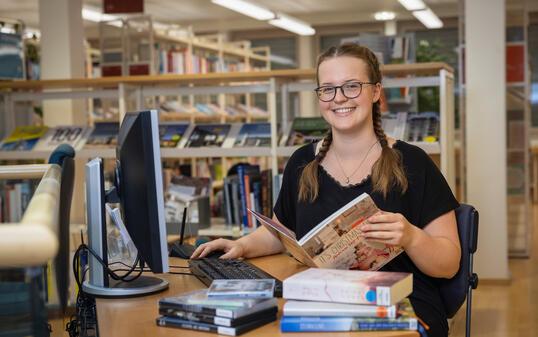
(205, 16)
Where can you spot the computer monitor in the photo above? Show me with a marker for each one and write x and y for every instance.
(138, 188)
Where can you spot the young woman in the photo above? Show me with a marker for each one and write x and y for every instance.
(355, 157)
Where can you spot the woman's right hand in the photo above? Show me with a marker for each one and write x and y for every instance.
(232, 249)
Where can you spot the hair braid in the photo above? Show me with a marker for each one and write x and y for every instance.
(308, 183)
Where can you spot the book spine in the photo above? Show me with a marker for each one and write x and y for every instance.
(312, 323)
(236, 203)
(227, 202)
(242, 194)
(248, 199)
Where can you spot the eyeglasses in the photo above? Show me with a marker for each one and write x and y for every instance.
(349, 90)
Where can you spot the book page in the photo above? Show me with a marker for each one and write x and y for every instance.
(338, 244)
(287, 237)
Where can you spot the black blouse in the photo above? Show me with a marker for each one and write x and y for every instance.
(428, 196)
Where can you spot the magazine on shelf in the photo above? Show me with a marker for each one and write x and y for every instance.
(305, 130)
(170, 134)
(23, 138)
(253, 134)
(74, 135)
(348, 286)
(208, 135)
(104, 135)
(336, 242)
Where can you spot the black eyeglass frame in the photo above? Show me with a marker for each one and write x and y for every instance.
(341, 89)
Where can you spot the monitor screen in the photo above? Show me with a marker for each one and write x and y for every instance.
(140, 187)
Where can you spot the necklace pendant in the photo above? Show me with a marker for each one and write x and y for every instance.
(347, 180)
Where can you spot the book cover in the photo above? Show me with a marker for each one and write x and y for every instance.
(211, 135)
(104, 135)
(171, 133)
(197, 301)
(241, 288)
(23, 138)
(74, 135)
(316, 308)
(336, 242)
(348, 286)
(217, 320)
(253, 134)
(405, 320)
(174, 322)
(306, 130)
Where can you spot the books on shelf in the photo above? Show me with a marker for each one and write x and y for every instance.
(23, 138)
(210, 135)
(316, 308)
(423, 127)
(348, 286)
(336, 242)
(170, 134)
(74, 135)
(241, 288)
(406, 320)
(305, 130)
(103, 135)
(395, 125)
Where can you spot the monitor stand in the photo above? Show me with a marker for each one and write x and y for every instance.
(99, 284)
(182, 250)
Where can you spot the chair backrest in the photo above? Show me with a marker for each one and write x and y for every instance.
(63, 155)
(454, 290)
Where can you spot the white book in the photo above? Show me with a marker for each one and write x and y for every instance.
(313, 308)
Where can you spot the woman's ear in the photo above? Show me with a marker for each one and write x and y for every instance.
(377, 92)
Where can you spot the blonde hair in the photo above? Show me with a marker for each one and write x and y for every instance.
(387, 172)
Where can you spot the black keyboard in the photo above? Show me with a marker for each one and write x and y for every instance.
(210, 269)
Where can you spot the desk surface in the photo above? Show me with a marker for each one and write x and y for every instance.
(136, 316)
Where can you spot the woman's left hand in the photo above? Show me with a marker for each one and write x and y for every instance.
(389, 228)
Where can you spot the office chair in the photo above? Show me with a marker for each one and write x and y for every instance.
(63, 155)
(455, 290)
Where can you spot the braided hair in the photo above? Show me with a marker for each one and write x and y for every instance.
(387, 172)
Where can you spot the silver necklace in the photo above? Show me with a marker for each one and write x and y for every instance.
(362, 161)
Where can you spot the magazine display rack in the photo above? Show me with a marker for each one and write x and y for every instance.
(132, 93)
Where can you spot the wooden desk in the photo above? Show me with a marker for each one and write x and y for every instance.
(136, 316)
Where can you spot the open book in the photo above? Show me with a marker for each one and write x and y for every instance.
(336, 242)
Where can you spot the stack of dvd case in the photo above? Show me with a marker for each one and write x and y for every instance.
(222, 315)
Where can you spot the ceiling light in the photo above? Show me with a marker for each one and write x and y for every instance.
(293, 25)
(412, 5)
(96, 16)
(246, 8)
(428, 18)
(384, 16)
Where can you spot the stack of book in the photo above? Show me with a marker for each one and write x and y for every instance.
(227, 307)
(347, 300)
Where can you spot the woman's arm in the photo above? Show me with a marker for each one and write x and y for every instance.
(258, 243)
(435, 250)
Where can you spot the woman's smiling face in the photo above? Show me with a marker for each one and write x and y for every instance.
(342, 113)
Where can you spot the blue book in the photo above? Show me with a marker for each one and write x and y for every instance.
(328, 323)
(242, 194)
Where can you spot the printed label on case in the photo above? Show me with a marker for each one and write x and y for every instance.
(221, 321)
(224, 313)
(226, 331)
